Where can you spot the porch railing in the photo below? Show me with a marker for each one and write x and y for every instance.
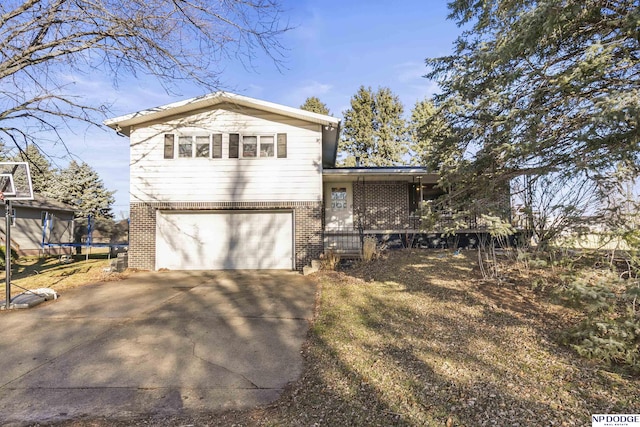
(344, 241)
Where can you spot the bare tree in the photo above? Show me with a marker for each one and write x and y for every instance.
(42, 41)
(553, 204)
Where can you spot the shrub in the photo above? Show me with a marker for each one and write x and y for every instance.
(611, 331)
(329, 260)
(369, 248)
(613, 340)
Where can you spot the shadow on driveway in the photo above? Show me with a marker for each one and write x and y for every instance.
(162, 342)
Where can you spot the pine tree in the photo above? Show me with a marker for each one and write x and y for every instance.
(426, 128)
(81, 187)
(374, 130)
(314, 105)
(41, 172)
(539, 87)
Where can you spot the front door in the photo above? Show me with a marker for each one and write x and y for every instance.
(338, 202)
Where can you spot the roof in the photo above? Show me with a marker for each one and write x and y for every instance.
(381, 173)
(329, 124)
(41, 202)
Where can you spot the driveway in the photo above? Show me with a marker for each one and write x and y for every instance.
(162, 342)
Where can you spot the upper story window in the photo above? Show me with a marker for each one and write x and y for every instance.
(239, 146)
(185, 146)
(249, 146)
(203, 146)
(258, 146)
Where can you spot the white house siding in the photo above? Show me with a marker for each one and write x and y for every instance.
(209, 186)
(298, 177)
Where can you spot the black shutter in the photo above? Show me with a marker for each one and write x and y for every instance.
(234, 144)
(217, 146)
(169, 139)
(282, 145)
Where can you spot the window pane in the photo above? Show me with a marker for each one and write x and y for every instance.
(217, 146)
(266, 146)
(282, 145)
(234, 140)
(339, 198)
(203, 148)
(168, 146)
(185, 144)
(249, 146)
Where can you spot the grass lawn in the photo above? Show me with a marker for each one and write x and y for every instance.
(418, 339)
(34, 272)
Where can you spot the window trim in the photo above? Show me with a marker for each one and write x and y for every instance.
(259, 143)
(201, 143)
(191, 144)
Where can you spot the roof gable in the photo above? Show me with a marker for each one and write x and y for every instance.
(330, 125)
(123, 124)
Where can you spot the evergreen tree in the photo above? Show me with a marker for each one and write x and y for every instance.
(314, 105)
(427, 128)
(42, 174)
(80, 186)
(541, 87)
(374, 129)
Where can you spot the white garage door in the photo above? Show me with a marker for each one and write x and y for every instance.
(217, 240)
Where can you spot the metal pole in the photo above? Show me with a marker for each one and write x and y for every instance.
(89, 237)
(7, 252)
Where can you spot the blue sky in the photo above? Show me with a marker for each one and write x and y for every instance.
(336, 47)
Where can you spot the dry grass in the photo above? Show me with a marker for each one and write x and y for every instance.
(32, 273)
(416, 338)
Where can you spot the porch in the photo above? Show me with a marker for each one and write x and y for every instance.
(384, 202)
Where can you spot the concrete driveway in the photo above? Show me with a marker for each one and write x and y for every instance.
(161, 342)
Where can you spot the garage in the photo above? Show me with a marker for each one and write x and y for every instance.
(224, 240)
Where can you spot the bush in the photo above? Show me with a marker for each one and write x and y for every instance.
(612, 341)
(369, 248)
(329, 260)
(611, 331)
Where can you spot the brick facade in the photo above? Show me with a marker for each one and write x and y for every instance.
(142, 234)
(381, 205)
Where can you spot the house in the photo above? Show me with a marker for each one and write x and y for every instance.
(41, 226)
(224, 181)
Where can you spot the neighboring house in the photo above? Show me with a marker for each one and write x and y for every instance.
(227, 182)
(40, 226)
